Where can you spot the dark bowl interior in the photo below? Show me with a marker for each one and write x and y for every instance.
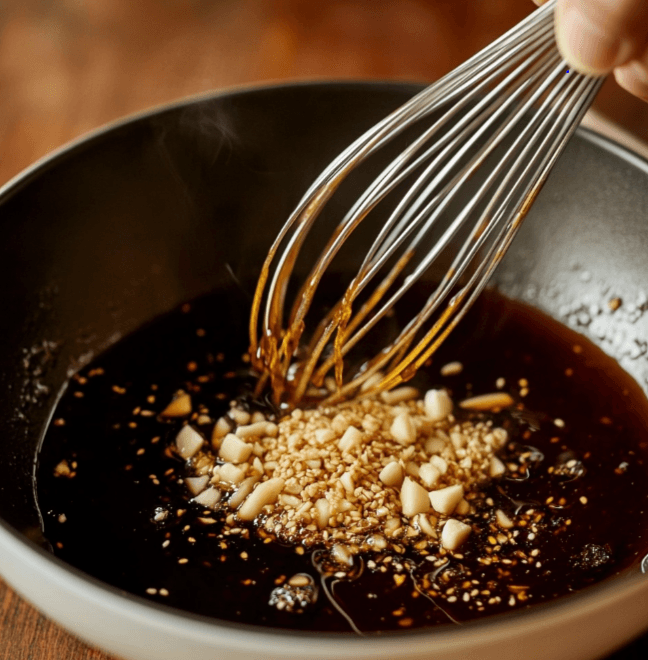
(131, 222)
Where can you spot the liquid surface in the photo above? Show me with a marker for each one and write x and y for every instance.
(114, 504)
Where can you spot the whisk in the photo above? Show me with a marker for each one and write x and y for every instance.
(489, 133)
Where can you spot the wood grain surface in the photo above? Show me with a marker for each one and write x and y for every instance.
(68, 66)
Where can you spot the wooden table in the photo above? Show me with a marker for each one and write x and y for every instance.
(69, 66)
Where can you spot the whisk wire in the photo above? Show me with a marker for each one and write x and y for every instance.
(446, 195)
(479, 277)
(425, 103)
(478, 238)
(497, 124)
(395, 173)
(476, 119)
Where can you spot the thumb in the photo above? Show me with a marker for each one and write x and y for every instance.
(595, 36)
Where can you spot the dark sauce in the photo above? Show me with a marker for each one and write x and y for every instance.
(576, 469)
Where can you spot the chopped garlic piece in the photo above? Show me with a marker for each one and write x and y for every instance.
(230, 473)
(392, 474)
(265, 493)
(445, 500)
(244, 489)
(487, 401)
(438, 405)
(254, 430)
(322, 436)
(347, 482)
(188, 442)
(179, 407)
(414, 498)
(399, 395)
(403, 429)
(454, 534)
(439, 463)
(342, 554)
(434, 445)
(497, 468)
(412, 469)
(351, 438)
(429, 475)
(463, 508)
(208, 498)
(503, 520)
(234, 450)
(221, 429)
(196, 484)
(323, 509)
(239, 416)
(426, 526)
(289, 501)
(451, 369)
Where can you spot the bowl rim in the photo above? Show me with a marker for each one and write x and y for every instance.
(494, 628)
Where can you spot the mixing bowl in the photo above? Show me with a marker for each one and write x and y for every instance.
(129, 222)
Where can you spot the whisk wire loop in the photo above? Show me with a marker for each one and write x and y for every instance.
(495, 127)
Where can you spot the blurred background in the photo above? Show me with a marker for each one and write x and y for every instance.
(69, 66)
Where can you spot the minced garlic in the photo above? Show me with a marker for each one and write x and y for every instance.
(368, 474)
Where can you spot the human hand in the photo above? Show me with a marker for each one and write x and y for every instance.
(600, 36)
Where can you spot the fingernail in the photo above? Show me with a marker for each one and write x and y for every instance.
(586, 46)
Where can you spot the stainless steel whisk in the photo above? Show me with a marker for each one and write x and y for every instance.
(495, 127)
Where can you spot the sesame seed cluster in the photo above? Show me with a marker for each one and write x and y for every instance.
(399, 469)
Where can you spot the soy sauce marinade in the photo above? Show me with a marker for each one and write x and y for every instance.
(110, 485)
